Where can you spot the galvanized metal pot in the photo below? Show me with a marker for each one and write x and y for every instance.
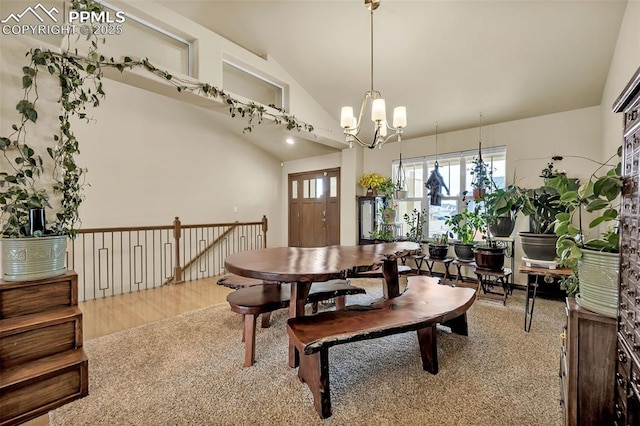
(33, 258)
(598, 275)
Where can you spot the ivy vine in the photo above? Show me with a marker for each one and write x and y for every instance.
(80, 81)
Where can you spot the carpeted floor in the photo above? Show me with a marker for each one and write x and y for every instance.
(188, 370)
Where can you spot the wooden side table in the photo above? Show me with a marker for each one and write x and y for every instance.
(445, 261)
(418, 258)
(489, 279)
(459, 264)
(532, 287)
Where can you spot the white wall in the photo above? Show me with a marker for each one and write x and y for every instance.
(151, 158)
(625, 62)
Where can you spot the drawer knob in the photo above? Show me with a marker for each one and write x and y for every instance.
(622, 357)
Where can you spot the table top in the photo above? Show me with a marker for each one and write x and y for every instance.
(534, 270)
(289, 264)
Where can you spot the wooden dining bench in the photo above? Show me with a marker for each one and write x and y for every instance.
(255, 300)
(424, 304)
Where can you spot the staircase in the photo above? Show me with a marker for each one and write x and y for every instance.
(42, 363)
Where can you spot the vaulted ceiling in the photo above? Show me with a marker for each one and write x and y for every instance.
(446, 61)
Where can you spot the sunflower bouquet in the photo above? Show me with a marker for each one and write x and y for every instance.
(372, 180)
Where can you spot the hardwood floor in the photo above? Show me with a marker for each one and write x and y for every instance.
(115, 313)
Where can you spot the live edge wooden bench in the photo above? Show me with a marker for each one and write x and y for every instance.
(424, 304)
(263, 299)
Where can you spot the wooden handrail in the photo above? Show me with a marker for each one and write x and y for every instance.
(211, 245)
(129, 258)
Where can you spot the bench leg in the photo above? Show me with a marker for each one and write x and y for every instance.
(299, 294)
(266, 318)
(249, 339)
(314, 371)
(340, 302)
(428, 348)
(458, 325)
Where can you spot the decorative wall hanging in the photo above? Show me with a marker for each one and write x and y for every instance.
(436, 182)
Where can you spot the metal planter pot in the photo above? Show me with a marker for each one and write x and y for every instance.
(502, 226)
(438, 251)
(464, 251)
(538, 246)
(598, 276)
(26, 259)
(490, 258)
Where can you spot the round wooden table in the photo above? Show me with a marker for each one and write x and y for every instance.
(303, 266)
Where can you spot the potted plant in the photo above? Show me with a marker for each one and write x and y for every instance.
(489, 256)
(541, 205)
(371, 182)
(502, 205)
(481, 177)
(34, 179)
(464, 226)
(595, 262)
(415, 223)
(438, 247)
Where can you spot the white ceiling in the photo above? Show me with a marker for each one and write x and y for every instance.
(446, 61)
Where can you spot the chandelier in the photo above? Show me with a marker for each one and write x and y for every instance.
(352, 126)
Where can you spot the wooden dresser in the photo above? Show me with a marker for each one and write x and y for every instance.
(587, 367)
(627, 389)
(42, 363)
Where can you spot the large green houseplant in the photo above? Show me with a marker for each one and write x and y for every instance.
(541, 205)
(594, 261)
(502, 205)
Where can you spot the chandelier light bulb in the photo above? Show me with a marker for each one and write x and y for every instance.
(378, 110)
(346, 117)
(400, 117)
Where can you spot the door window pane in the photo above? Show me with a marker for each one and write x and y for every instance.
(305, 188)
(319, 189)
(294, 189)
(312, 188)
(333, 186)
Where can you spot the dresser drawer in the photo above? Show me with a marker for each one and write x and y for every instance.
(632, 118)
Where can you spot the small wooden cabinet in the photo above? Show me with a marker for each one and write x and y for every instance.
(42, 363)
(587, 367)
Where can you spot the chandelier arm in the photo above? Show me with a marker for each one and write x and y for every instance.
(362, 144)
(369, 94)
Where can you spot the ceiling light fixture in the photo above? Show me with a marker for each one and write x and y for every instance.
(290, 141)
(352, 126)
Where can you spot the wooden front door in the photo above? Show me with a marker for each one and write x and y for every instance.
(314, 208)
